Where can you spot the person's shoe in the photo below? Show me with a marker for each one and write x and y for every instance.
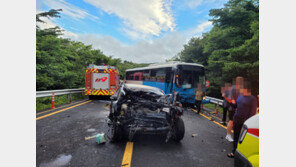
(223, 123)
(229, 138)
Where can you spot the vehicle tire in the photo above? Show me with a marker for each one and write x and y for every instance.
(116, 133)
(179, 130)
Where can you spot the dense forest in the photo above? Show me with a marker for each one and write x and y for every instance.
(229, 49)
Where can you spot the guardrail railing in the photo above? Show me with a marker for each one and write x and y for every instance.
(53, 93)
(214, 100)
(48, 93)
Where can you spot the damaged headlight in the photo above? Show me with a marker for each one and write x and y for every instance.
(166, 109)
(124, 108)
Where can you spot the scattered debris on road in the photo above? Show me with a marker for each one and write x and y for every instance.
(91, 130)
(194, 134)
(100, 138)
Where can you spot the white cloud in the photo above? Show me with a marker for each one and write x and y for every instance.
(47, 23)
(141, 18)
(68, 9)
(149, 51)
(69, 34)
(157, 50)
(192, 4)
(199, 28)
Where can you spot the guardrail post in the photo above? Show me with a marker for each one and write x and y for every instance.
(70, 97)
(52, 101)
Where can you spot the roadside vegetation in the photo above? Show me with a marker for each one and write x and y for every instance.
(213, 107)
(43, 103)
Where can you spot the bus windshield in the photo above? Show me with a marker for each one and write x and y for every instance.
(191, 76)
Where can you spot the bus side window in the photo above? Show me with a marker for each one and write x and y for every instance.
(153, 75)
(146, 75)
(160, 75)
(130, 76)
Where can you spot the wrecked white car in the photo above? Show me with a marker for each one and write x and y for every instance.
(144, 109)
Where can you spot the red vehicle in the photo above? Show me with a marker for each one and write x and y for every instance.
(101, 80)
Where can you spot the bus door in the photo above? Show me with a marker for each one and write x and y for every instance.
(168, 88)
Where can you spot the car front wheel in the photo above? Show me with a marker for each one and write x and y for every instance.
(179, 130)
(116, 133)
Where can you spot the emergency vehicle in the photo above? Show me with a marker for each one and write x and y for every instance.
(247, 152)
(101, 80)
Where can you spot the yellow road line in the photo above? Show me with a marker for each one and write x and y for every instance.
(47, 115)
(58, 107)
(209, 118)
(127, 156)
(220, 125)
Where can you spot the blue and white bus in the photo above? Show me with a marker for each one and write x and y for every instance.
(179, 76)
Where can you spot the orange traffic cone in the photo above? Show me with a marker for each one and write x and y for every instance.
(52, 101)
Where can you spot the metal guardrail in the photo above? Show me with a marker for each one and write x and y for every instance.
(214, 100)
(48, 93)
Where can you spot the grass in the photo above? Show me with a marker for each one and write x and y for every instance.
(213, 107)
(43, 103)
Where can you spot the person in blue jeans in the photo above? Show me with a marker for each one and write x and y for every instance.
(235, 91)
(246, 106)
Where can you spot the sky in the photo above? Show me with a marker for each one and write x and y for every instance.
(141, 31)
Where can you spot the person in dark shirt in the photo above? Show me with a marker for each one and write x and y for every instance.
(225, 93)
(246, 106)
(235, 91)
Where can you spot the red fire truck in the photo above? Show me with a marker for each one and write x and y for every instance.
(101, 80)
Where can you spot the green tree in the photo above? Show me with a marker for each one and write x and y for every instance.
(231, 47)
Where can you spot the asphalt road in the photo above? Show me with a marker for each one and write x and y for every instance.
(60, 141)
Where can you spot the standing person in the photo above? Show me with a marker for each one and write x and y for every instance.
(246, 107)
(225, 93)
(198, 98)
(234, 93)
